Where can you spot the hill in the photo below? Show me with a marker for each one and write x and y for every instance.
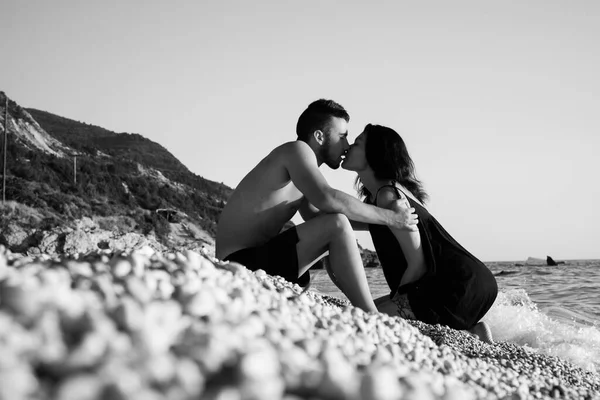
(67, 170)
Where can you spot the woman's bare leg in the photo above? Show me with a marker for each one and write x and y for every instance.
(482, 331)
(398, 306)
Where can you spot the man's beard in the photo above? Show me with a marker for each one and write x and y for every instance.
(326, 157)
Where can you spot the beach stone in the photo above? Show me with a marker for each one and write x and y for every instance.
(138, 289)
(17, 383)
(121, 268)
(18, 300)
(3, 266)
(380, 383)
(201, 304)
(339, 379)
(129, 315)
(161, 368)
(184, 326)
(189, 377)
(207, 266)
(80, 387)
(260, 273)
(233, 267)
(193, 260)
(259, 369)
(162, 324)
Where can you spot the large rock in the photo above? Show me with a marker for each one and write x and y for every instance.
(13, 235)
(88, 241)
(86, 237)
(86, 224)
(18, 239)
(49, 243)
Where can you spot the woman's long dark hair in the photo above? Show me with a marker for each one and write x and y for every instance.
(388, 156)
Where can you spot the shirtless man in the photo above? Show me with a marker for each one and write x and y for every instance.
(288, 180)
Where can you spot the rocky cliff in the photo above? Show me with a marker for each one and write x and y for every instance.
(26, 131)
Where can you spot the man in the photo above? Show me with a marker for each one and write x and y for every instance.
(288, 180)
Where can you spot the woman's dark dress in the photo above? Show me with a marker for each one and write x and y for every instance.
(457, 289)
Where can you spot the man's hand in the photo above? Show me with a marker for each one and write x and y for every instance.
(406, 217)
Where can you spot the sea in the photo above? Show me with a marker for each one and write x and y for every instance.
(553, 310)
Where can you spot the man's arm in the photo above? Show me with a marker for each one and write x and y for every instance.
(308, 211)
(301, 164)
(359, 226)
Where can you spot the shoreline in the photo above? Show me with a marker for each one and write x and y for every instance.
(144, 325)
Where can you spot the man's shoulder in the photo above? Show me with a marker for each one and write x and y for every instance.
(293, 146)
(293, 150)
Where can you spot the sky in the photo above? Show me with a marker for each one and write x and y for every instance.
(498, 101)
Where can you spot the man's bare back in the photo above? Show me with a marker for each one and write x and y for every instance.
(260, 206)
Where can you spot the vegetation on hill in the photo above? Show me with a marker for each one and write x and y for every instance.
(114, 177)
(91, 139)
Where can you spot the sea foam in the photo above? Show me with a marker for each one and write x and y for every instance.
(514, 317)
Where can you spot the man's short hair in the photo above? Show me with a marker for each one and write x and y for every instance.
(317, 116)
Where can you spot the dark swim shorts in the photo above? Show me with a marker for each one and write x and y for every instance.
(276, 257)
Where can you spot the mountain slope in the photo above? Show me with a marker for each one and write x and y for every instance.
(116, 174)
(88, 138)
(27, 130)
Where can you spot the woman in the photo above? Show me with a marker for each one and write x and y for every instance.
(431, 276)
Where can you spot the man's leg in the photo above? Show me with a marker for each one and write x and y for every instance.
(327, 266)
(333, 232)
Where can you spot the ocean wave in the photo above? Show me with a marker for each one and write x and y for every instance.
(554, 331)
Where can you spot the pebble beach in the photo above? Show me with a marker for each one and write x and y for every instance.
(147, 325)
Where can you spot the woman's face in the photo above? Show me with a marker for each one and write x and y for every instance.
(356, 159)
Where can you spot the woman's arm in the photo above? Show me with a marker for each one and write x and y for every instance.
(410, 242)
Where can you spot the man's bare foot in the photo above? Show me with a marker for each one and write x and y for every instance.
(482, 331)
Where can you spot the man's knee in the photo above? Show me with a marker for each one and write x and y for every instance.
(339, 224)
